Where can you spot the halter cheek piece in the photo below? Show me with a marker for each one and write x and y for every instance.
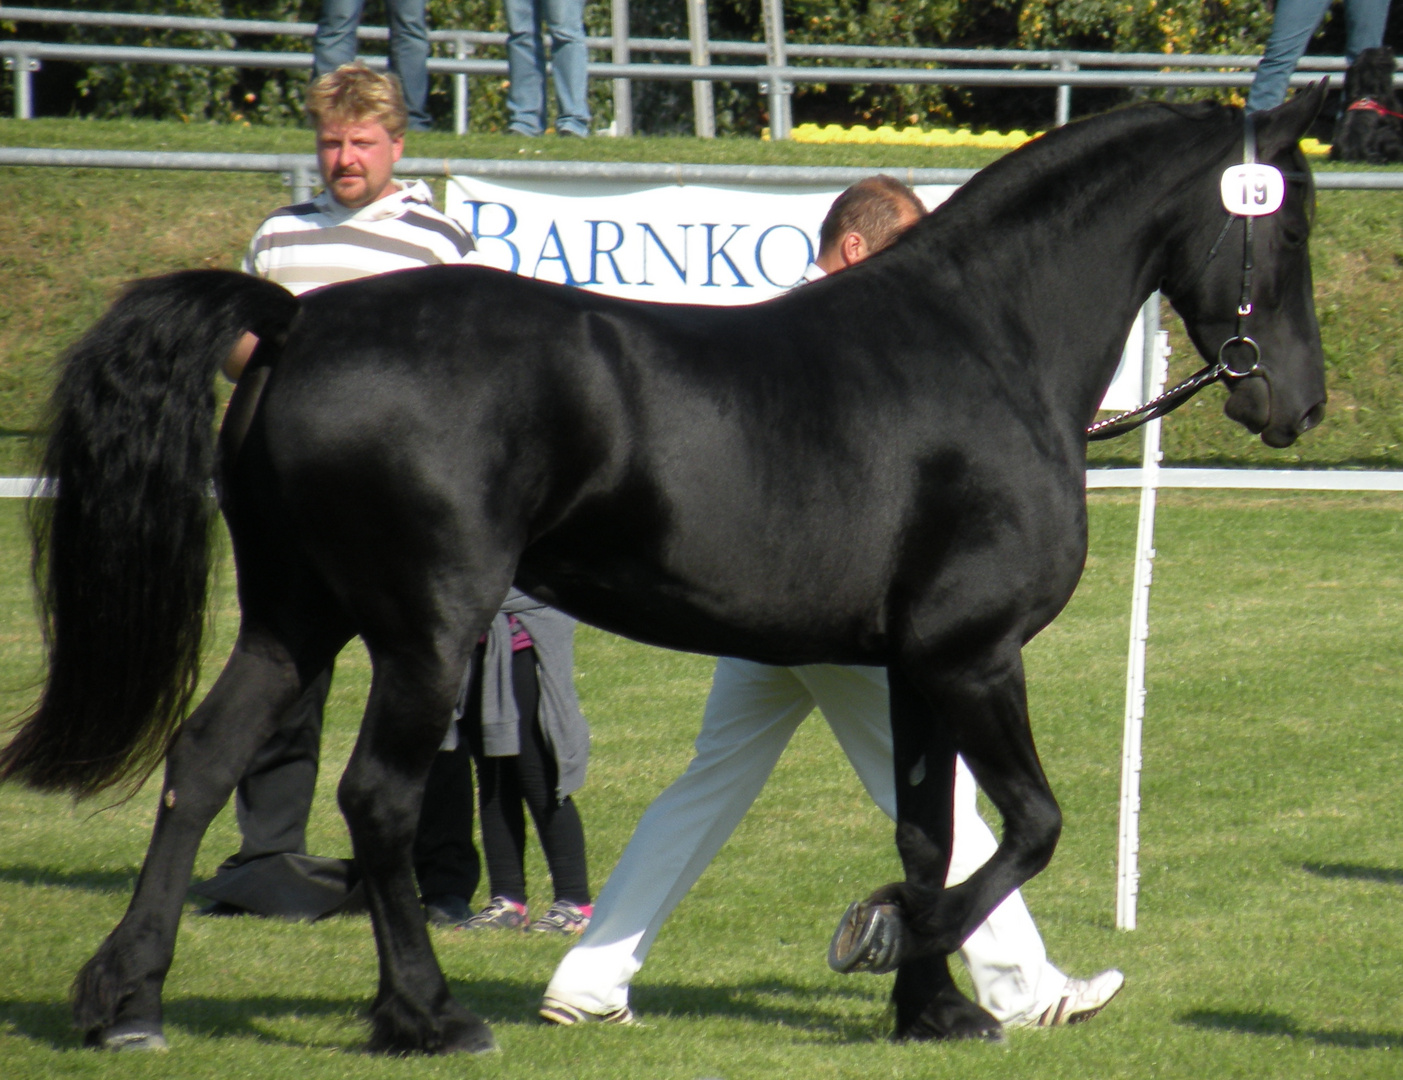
(1250, 190)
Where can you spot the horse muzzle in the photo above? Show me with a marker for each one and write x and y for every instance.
(1250, 404)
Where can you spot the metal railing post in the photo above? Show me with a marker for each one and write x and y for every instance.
(24, 67)
(780, 91)
(703, 94)
(623, 88)
(1064, 93)
(461, 51)
(300, 178)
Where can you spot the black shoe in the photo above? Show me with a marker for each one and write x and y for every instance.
(221, 909)
(446, 910)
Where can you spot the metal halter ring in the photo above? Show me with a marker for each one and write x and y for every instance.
(1230, 372)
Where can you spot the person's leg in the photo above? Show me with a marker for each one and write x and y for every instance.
(498, 798)
(750, 715)
(335, 40)
(446, 861)
(1005, 955)
(409, 57)
(569, 58)
(526, 68)
(503, 827)
(855, 702)
(274, 798)
(1365, 22)
(557, 822)
(1291, 31)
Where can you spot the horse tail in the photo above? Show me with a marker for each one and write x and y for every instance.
(121, 552)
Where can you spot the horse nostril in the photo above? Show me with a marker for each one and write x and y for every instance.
(1313, 417)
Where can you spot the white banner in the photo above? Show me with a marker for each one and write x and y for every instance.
(680, 244)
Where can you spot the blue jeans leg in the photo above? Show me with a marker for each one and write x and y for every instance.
(570, 58)
(1291, 32)
(1365, 21)
(409, 57)
(335, 40)
(1295, 24)
(526, 68)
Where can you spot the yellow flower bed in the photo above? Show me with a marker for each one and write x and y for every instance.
(911, 136)
(914, 136)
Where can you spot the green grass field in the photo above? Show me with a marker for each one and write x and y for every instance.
(1272, 854)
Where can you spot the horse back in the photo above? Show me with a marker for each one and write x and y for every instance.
(681, 474)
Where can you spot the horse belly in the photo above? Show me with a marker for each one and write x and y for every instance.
(720, 589)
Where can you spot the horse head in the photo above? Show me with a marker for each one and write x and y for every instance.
(1243, 284)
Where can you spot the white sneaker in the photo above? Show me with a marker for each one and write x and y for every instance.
(554, 1011)
(1081, 999)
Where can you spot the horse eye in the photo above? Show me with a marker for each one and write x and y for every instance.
(1294, 230)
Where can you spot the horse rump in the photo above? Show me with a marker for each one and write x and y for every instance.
(120, 552)
(1370, 128)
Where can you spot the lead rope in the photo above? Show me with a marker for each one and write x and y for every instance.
(1166, 403)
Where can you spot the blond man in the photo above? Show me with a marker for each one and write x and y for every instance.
(363, 222)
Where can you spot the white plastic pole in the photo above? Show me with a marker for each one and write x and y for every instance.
(1128, 859)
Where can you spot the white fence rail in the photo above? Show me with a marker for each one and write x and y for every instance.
(299, 170)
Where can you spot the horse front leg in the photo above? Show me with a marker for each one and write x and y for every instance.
(116, 997)
(980, 712)
(380, 794)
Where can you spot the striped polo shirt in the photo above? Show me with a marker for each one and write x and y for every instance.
(322, 242)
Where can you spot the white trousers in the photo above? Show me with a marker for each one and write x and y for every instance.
(751, 714)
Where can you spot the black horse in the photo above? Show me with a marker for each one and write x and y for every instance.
(885, 467)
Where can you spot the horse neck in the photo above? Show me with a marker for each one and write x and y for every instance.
(1062, 253)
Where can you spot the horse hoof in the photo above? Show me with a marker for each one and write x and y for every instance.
(953, 1022)
(468, 1037)
(870, 937)
(992, 1032)
(132, 1036)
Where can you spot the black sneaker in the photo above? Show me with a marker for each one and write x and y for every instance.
(446, 910)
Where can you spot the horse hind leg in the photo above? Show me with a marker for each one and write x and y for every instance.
(410, 706)
(116, 997)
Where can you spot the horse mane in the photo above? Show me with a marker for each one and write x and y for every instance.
(1061, 171)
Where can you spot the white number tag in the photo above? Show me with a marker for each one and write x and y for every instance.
(1253, 190)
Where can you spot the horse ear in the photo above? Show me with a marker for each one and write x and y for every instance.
(1280, 128)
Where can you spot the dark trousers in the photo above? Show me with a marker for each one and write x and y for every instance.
(529, 778)
(445, 858)
(274, 799)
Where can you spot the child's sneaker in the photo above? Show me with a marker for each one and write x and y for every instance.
(499, 914)
(563, 917)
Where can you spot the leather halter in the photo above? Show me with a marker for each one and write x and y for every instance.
(1220, 369)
